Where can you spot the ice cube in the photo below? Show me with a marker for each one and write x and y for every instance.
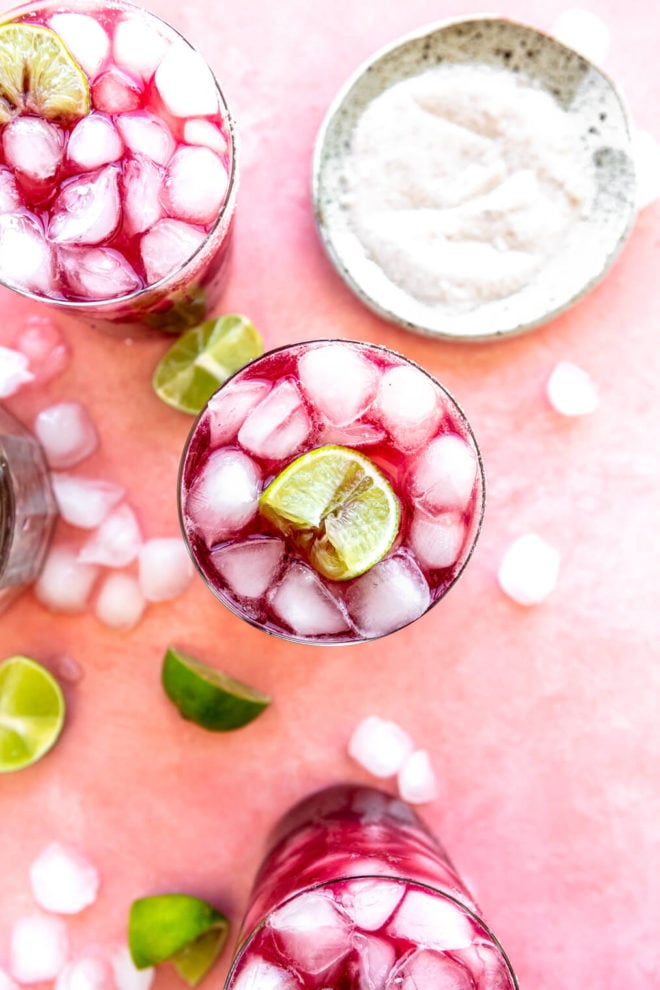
(312, 932)
(409, 406)
(43, 345)
(10, 199)
(97, 272)
(376, 960)
(84, 502)
(443, 476)
(205, 133)
(85, 973)
(142, 183)
(167, 246)
(225, 495)
(185, 83)
(338, 380)
(390, 595)
(63, 880)
(87, 209)
(120, 603)
(66, 433)
(529, 570)
(228, 408)
(146, 135)
(26, 259)
(85, 38)
(431, 920)
(65, 584)
(426, 969)
(258, 974)
(115, 92)
(14, 371)
(195, 185)
(249, 567)
(33, 146)
(571, 390)
(583, 31)
(278, 425)
(116, 542)
(164, 568)
(361, 433)
(369, 903)
(416, 779)
(303, 603)
(39, 948)
(436, 541)
(94, 142)
(138, 45)
(381, 747)
(127, 975)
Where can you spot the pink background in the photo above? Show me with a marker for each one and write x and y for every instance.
(542, 723)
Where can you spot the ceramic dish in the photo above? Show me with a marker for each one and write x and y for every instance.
(580, 88)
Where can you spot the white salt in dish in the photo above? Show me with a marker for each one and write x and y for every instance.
(383, 272)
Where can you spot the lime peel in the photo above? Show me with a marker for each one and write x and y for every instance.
(32, 711)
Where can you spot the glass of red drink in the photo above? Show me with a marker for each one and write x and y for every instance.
(355, 892)
(331, 492)
(118, 166)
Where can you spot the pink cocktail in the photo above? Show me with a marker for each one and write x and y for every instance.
(313, 404)
(356, 893)
(117, 172)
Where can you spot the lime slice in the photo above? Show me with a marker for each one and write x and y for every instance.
(208, 697)
(31, 712)
(337, 508)
(38, 75)
(202, 359)
(178, 928)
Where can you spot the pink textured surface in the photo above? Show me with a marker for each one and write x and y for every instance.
(542, 723)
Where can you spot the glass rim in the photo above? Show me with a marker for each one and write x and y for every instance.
(477, 522)
(82, 306)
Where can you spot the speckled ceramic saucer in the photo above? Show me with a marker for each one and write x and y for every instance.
(580, 88)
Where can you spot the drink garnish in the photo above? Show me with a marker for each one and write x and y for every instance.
(38, 75)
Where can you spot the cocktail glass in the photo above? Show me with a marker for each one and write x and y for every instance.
(126, 221)
(330, 394)
(355, 892)
(27, 508)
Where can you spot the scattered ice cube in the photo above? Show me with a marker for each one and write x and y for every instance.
(84, 502)
(529, 570)
(409, 406)
(138, 46)
(14, 371)
(85, 973)
(127, 975)
(436, 541)
(431, 920)
(142, 183)
(369, 903)
(443, 476)
(167, 245)
(390, 595)
(94, 142)
(66, 433)
(63, 880)
(416, 779)
(26, 260)
(376, 960)
(10, 199)
(381, 747)
(646, 155)
(225, 495)
(311, 930)
(338, 380)
(571, 390)
(33, 146)
(185, 83)
(195, 185)
(65, 583)
(584, 31)
(85, 38)
(164, 568)
(97, 272)
(249, 567)
(120, 603)
(205, 133)
(146, 135)
(39, 948)
(116, 542)
(43, 345)
(278, 425)
(115, 92)
(302, 602)
(87, 209)
(428, 969)
(258, 974)
(228, 408)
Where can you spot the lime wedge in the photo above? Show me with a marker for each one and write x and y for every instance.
(337, 508)
(39, 75)
(202, 359)
(31, 712)
(177, 928)
(208, 697)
